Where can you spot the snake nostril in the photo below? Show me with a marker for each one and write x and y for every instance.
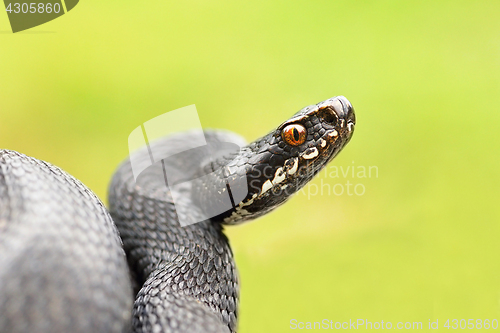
(338, 107)
(329, 115)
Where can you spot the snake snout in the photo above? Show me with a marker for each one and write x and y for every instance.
(344, 109)
(345, 112)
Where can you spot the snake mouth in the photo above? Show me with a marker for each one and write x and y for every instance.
(345, 112)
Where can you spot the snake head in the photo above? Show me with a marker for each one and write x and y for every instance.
(282, 162)
(327, 126)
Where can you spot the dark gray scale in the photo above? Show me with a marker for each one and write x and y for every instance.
(62, 267)
(191, 269)
(187, 272)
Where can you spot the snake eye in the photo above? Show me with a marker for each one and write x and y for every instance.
(294, 134)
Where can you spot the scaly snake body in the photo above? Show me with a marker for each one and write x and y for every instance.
(62, 264)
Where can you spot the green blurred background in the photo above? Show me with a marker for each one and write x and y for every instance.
(421, 243)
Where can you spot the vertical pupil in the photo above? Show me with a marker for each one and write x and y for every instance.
(295, 134)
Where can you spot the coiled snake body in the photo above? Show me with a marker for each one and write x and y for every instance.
(63, 266)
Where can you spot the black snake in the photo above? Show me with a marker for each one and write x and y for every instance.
(63, 257)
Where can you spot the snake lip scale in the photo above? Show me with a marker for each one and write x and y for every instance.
(68, 264)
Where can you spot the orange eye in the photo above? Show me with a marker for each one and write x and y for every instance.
(294, 135)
